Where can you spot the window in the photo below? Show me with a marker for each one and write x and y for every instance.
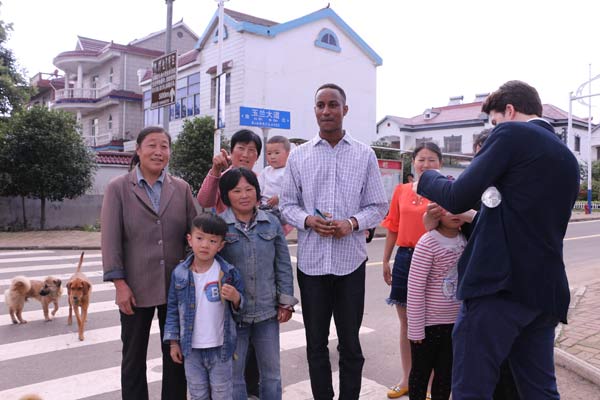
(187, 101)
(110, 122)
(110, 75)
(216, 35)
(94, 127)
(327, 39)
(453, 144)
(95, 80)
(420, 141)
(577, 143)
(151, 116)
(213, 90)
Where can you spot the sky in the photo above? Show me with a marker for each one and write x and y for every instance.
(431, 50)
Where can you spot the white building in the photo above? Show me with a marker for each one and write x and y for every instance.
(275, 66)
(454, 128)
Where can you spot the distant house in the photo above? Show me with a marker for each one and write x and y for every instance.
(275, 66)
(454, 128)
(100, 85)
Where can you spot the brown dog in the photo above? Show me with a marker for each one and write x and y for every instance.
(78, 290)
(22, 288)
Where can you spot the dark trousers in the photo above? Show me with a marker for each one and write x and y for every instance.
(135, 333)
(344, 298)
(506, 388)
(491, 329)
(434, 353)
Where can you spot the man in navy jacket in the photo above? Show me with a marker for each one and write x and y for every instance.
(512, 277)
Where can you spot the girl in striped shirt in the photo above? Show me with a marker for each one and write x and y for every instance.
(432, 307)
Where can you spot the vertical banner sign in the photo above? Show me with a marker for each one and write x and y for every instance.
(164, 79)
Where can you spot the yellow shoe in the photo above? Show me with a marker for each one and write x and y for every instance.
(396, 392)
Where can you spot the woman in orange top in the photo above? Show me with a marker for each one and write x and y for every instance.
(405, 226)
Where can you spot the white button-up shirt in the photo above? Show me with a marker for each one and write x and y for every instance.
(344, 181)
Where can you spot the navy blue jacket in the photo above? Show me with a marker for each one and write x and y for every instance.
(516, 248)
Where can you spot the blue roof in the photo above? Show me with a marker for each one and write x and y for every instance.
(275, 29)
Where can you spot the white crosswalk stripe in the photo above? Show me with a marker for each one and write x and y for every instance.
(24, 252)
(42, 340)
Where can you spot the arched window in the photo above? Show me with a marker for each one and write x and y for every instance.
(216, 35)
(327, 39)
(110, 122)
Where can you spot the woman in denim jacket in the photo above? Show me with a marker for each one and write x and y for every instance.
(256, 245)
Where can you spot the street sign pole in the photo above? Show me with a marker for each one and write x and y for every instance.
(219, 111)
(167, 51)
(265, 132)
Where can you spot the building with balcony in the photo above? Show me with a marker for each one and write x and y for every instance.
(455, 127)
(99, 83)
(274, 66)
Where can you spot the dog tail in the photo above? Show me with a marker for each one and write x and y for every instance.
(20, 284)
(80, 261)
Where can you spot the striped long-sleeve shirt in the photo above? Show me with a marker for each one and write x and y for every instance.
(432, 282)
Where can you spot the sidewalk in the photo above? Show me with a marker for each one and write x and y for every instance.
(577, 344)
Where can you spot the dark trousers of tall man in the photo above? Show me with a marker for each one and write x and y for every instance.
(343, 297)
(135, 333)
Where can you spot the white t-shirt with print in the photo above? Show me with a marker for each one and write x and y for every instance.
(208, 322)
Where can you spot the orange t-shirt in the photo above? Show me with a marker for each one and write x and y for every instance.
(406, 215)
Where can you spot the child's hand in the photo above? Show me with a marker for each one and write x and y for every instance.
(273, 201)
(176, 355)
(230, 293)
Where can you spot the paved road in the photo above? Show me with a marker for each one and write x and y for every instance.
(47, 358)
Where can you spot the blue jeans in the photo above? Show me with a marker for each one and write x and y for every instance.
(491, 329)
(399, 290)
(208, 377)
(264, 336)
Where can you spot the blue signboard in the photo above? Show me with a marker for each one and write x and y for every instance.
(264, 118)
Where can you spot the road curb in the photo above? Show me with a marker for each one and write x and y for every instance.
(577, 366)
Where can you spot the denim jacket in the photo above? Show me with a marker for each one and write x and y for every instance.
(181, 306)
(261, 255)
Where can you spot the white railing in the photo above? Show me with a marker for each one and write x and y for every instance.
(581, 204)
(84, 93)
(97, 140)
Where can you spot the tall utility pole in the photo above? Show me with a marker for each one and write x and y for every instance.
(581, 98)
(167, 51)
(219, 113)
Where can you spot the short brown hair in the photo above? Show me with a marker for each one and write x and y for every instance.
(523, 97)
(280, 139)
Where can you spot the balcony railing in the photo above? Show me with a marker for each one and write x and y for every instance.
(84, 93)
(97, 140)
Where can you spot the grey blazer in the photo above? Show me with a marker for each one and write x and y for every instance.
(139, 244)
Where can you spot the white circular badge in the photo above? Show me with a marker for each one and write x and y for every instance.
(491, 197)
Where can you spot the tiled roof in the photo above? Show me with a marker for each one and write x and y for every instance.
(187, 57)
(446, 114)
(93, 47)
(241, 17)
(126, 94)
(91, 44)
(113, 157)
(468, 112)
(554, 114)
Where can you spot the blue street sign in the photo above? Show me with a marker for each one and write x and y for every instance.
(264, 118)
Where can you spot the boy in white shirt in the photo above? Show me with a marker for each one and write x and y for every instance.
(204, 294)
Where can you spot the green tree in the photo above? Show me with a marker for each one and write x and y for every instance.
(44, 157)
(192, 154)
(14, 90)
(595, 180)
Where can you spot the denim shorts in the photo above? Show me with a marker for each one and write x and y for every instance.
(400, 270)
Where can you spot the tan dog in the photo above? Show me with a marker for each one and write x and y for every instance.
(78, 291)
(22, 288)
